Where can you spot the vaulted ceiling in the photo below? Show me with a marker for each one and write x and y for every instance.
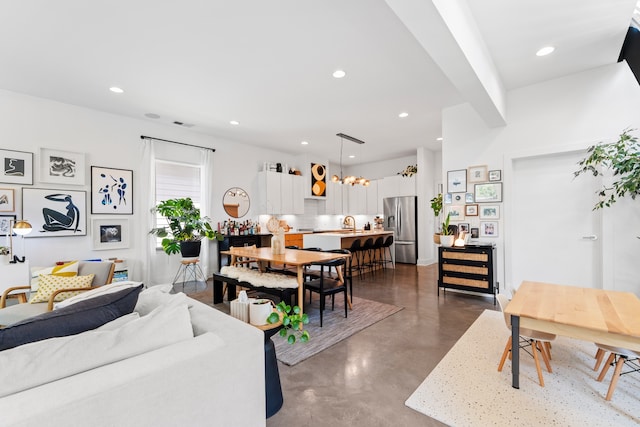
(268, 64)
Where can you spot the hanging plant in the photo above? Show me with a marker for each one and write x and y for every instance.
(622, 157)
(409, 170)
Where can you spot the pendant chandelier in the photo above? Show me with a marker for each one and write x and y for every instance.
(349, 179)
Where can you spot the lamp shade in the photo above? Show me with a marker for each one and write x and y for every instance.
(22, 227)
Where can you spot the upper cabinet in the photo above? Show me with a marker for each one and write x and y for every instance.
(280, 193)
(396, 186)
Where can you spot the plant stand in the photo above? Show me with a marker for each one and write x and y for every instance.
(190, 271)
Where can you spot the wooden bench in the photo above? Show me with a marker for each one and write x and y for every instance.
(284, 294)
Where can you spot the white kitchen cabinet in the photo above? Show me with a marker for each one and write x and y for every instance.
(280, 193)
(397, 186)
(333, 202)
(357, 199)
(374, 204)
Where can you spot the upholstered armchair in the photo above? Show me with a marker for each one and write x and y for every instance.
(102, 274)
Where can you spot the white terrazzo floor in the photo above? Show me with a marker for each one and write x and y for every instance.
(465, 389)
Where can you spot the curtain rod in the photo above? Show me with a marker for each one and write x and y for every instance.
(175, 142)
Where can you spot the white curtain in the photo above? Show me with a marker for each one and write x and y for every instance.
(206, 209)
(148, 182)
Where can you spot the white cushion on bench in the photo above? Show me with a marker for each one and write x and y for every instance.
(257, 278)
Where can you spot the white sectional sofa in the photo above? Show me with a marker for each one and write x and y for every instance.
(213, 376)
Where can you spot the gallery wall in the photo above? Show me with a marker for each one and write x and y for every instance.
(574, 111)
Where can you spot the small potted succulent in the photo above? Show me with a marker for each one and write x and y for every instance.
(186, 227)
(447, 236)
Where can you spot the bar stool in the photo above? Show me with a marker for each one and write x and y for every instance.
(386, 248)
(366, 249)
(355, 249)
(377, 253)
(190, 269)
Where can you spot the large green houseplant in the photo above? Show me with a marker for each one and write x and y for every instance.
(185, 226)
(436, 206)
(622, 157)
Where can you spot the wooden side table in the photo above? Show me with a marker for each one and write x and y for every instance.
(273, 389)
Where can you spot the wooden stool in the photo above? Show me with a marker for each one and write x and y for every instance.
(190, 270)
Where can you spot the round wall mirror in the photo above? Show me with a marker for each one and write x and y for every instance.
(236, 202)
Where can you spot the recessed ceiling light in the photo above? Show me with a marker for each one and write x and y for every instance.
(403, 115)
(304, 143)
(545, 51)
(116, 89)
(439, 139)
(234, 122)
(338, 74)
(351, 156)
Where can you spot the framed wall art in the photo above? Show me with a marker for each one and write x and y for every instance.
(62, 167)
(110, 233)
(475, 232)
(318, 180)
(455, 212)
(7, 200)
(463, 226)
(468, 198)
(457, 181)
(457, 198)
(478, 173)
(17, 167)
(489, 229)
(448, 198)
(489, 212)
(55, 213)
(111, 191)
(5, 225)
(487, 193)
(471, 210)
(495, 175)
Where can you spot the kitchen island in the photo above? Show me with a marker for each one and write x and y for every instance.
(344, 239)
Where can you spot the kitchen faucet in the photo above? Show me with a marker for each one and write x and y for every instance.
(349, 222)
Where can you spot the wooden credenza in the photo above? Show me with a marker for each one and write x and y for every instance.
(469, 268)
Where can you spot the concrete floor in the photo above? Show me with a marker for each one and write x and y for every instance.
(365, 379)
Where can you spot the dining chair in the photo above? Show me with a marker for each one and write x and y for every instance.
(536, 340)
(323, 285)
(618, 357)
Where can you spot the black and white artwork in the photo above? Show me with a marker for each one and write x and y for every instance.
(17, 167)
(110, 233)
(111, 191)
(62, 167)
(54, 213)
(5, 226)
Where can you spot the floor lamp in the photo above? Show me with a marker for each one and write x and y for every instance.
(21, 228)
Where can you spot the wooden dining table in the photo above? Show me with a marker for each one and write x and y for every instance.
(596, 315)
(293, 257)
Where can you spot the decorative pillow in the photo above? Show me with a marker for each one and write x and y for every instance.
(99, 290)
(48, 284)
(77, 318)
(68, 269)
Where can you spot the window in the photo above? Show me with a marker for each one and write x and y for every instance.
(176, 180)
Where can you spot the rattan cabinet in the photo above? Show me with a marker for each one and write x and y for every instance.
(469, 268)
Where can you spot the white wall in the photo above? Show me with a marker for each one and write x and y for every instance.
(576, 110)
(108, 140)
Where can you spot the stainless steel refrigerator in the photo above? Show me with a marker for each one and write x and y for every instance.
(400, 216)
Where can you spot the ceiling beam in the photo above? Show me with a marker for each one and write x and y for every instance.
(448, 33)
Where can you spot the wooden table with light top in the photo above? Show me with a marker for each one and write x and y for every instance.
(294, 257)
(596, 315)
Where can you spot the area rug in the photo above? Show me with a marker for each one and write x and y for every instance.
(335, 327)
(466, 389)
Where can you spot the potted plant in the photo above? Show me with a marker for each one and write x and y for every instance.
(292, 321)
(446, 237)
(186, 227)
(436, 205)
(622, 157)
